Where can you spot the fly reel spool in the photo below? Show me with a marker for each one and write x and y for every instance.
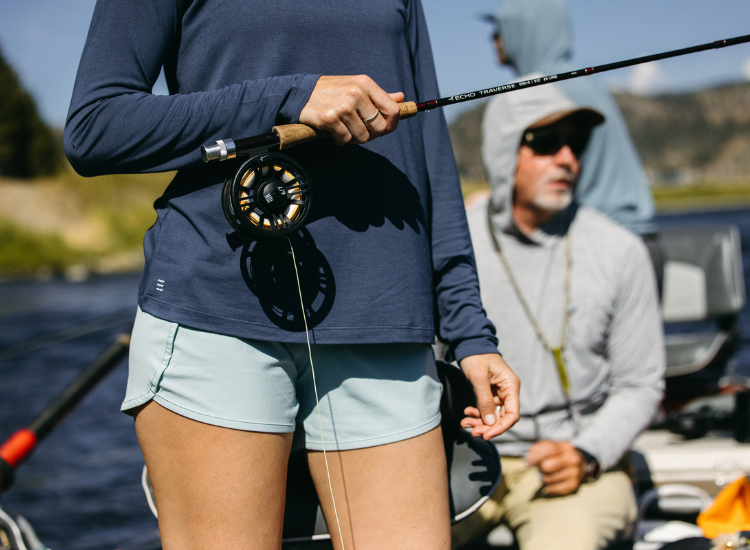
(269, 196)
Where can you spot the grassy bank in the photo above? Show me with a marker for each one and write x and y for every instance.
(703, 196)
(699, 196)
(70, 225)
(25, 252)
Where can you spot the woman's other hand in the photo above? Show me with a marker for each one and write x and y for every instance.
(497, 388)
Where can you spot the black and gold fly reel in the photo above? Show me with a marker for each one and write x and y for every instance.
(269, 196)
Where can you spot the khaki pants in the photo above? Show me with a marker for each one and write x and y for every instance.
(586, 520)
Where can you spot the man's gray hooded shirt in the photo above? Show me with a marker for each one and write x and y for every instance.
(614, 350)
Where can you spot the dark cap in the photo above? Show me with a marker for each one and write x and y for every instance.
(584, 115)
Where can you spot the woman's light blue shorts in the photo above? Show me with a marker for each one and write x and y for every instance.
(369, 394)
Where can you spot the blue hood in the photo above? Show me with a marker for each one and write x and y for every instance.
(536, 35)
(537, 39)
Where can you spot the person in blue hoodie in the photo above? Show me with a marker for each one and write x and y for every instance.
(221, 379)
(534, 36)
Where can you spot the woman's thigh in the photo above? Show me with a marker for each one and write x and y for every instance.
(391, 496)
(214, 487)
(207, 408)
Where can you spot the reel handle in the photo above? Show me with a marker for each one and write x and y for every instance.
(296, 134)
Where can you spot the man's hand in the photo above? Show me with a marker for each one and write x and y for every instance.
(340, 105)
(561, 465)
(497, 387)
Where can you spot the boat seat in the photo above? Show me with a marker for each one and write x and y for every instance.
(688, 353)
(672, 498)
(703, 281)
(473, 469)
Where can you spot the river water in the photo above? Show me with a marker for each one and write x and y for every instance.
(81, 488)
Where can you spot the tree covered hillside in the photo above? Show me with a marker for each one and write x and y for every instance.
(28, 148)
(702, 135)
(692, 137)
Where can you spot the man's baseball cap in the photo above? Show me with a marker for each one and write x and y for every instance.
(583, 115)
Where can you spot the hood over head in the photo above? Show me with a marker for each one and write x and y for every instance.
(535, 34)
(506, 118)
(537, 39)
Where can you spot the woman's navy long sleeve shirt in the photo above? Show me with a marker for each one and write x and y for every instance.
(385, 256)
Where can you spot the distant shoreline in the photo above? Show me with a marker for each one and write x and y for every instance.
(703, 197)
(73, 226)
(675, 209)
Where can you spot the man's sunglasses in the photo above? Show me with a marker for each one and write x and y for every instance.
(549, 140)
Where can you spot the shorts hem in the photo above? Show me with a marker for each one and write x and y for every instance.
(244, 426)
(128, 406)
(375, 441)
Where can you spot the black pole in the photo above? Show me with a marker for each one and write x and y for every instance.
(21, 444)
(227, 149)
(436, 103)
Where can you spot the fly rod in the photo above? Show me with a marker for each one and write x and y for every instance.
(21, 444)
(271, 196)
(289, 135)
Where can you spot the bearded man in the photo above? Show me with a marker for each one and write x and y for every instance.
(573, 296)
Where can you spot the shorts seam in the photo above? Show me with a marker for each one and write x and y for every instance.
(166, 357)
(137, 400)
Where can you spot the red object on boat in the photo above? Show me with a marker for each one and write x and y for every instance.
(18, 447)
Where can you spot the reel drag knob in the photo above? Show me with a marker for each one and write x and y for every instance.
(269, 196)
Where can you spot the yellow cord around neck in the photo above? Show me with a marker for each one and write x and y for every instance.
(557, 352)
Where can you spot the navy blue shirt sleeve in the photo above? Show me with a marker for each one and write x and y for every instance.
(225, 84)
(116, 125)
(461, 321)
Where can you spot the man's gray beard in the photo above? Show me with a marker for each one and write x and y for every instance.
(553, 202)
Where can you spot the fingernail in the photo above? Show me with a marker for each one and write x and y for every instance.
(489, 419)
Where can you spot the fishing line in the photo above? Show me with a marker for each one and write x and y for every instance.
(77, 331)
(315, 387)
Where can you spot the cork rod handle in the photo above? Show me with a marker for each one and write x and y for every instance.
(296, 134)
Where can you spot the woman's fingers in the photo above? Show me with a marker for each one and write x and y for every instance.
(472, 419)
(384, 119)
(353, 109)
(497, 389)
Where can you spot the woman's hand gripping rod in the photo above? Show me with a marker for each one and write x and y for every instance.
(280, 138)
(289, 135)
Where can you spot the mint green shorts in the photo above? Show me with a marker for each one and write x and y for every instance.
(370, 394)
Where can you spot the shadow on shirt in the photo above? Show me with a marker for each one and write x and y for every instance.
(268, 271)
(359, 187)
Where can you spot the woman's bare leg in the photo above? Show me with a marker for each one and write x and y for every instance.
(392, 496)
(214, 487)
